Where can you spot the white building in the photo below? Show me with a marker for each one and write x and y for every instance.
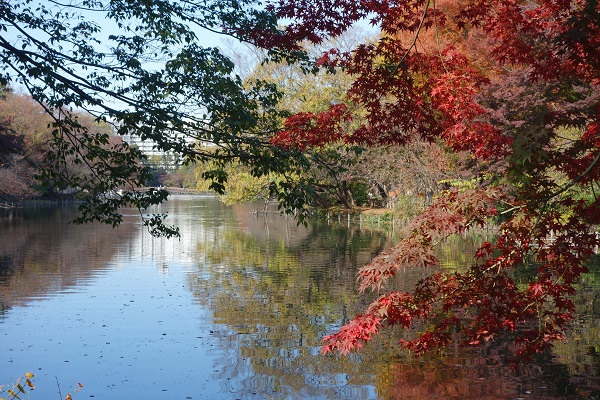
(165, 159)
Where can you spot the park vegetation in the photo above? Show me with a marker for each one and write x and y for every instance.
(487, 110)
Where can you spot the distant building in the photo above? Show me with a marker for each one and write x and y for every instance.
(160, 158)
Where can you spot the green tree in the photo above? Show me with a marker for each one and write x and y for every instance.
(241, 186)
(329, 176)
(140, 66)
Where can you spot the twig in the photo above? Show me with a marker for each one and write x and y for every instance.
(58, 385)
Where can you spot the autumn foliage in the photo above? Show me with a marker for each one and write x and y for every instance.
(517, 85)
(513, 85)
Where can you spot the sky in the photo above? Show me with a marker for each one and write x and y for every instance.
(240, 53)
(107, 27)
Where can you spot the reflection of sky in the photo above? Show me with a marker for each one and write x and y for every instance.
(128, 332)
(129, 329)
(132, 333)
(196, 223)
(163, 319)
(134, 329)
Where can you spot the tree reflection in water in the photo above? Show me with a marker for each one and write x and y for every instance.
(275, 298)
(40, 253)
(266, 291)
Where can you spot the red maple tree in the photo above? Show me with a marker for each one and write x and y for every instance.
(516, 84)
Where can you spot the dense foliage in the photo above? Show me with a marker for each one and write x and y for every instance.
(140, 66)
(516, 85)
(513, 85)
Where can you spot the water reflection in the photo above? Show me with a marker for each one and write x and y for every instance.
(41, 254)
(278, 300)
(237, 309)
(278, 295)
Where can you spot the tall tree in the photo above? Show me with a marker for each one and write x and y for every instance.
(502, 80)
(140, 66)
(22, 130)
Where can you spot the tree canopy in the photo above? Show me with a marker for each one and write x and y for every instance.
(515, 85)
(140, 66)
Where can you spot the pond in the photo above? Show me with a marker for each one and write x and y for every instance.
(236, 309)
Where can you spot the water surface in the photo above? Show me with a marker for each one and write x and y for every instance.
(235, 309)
